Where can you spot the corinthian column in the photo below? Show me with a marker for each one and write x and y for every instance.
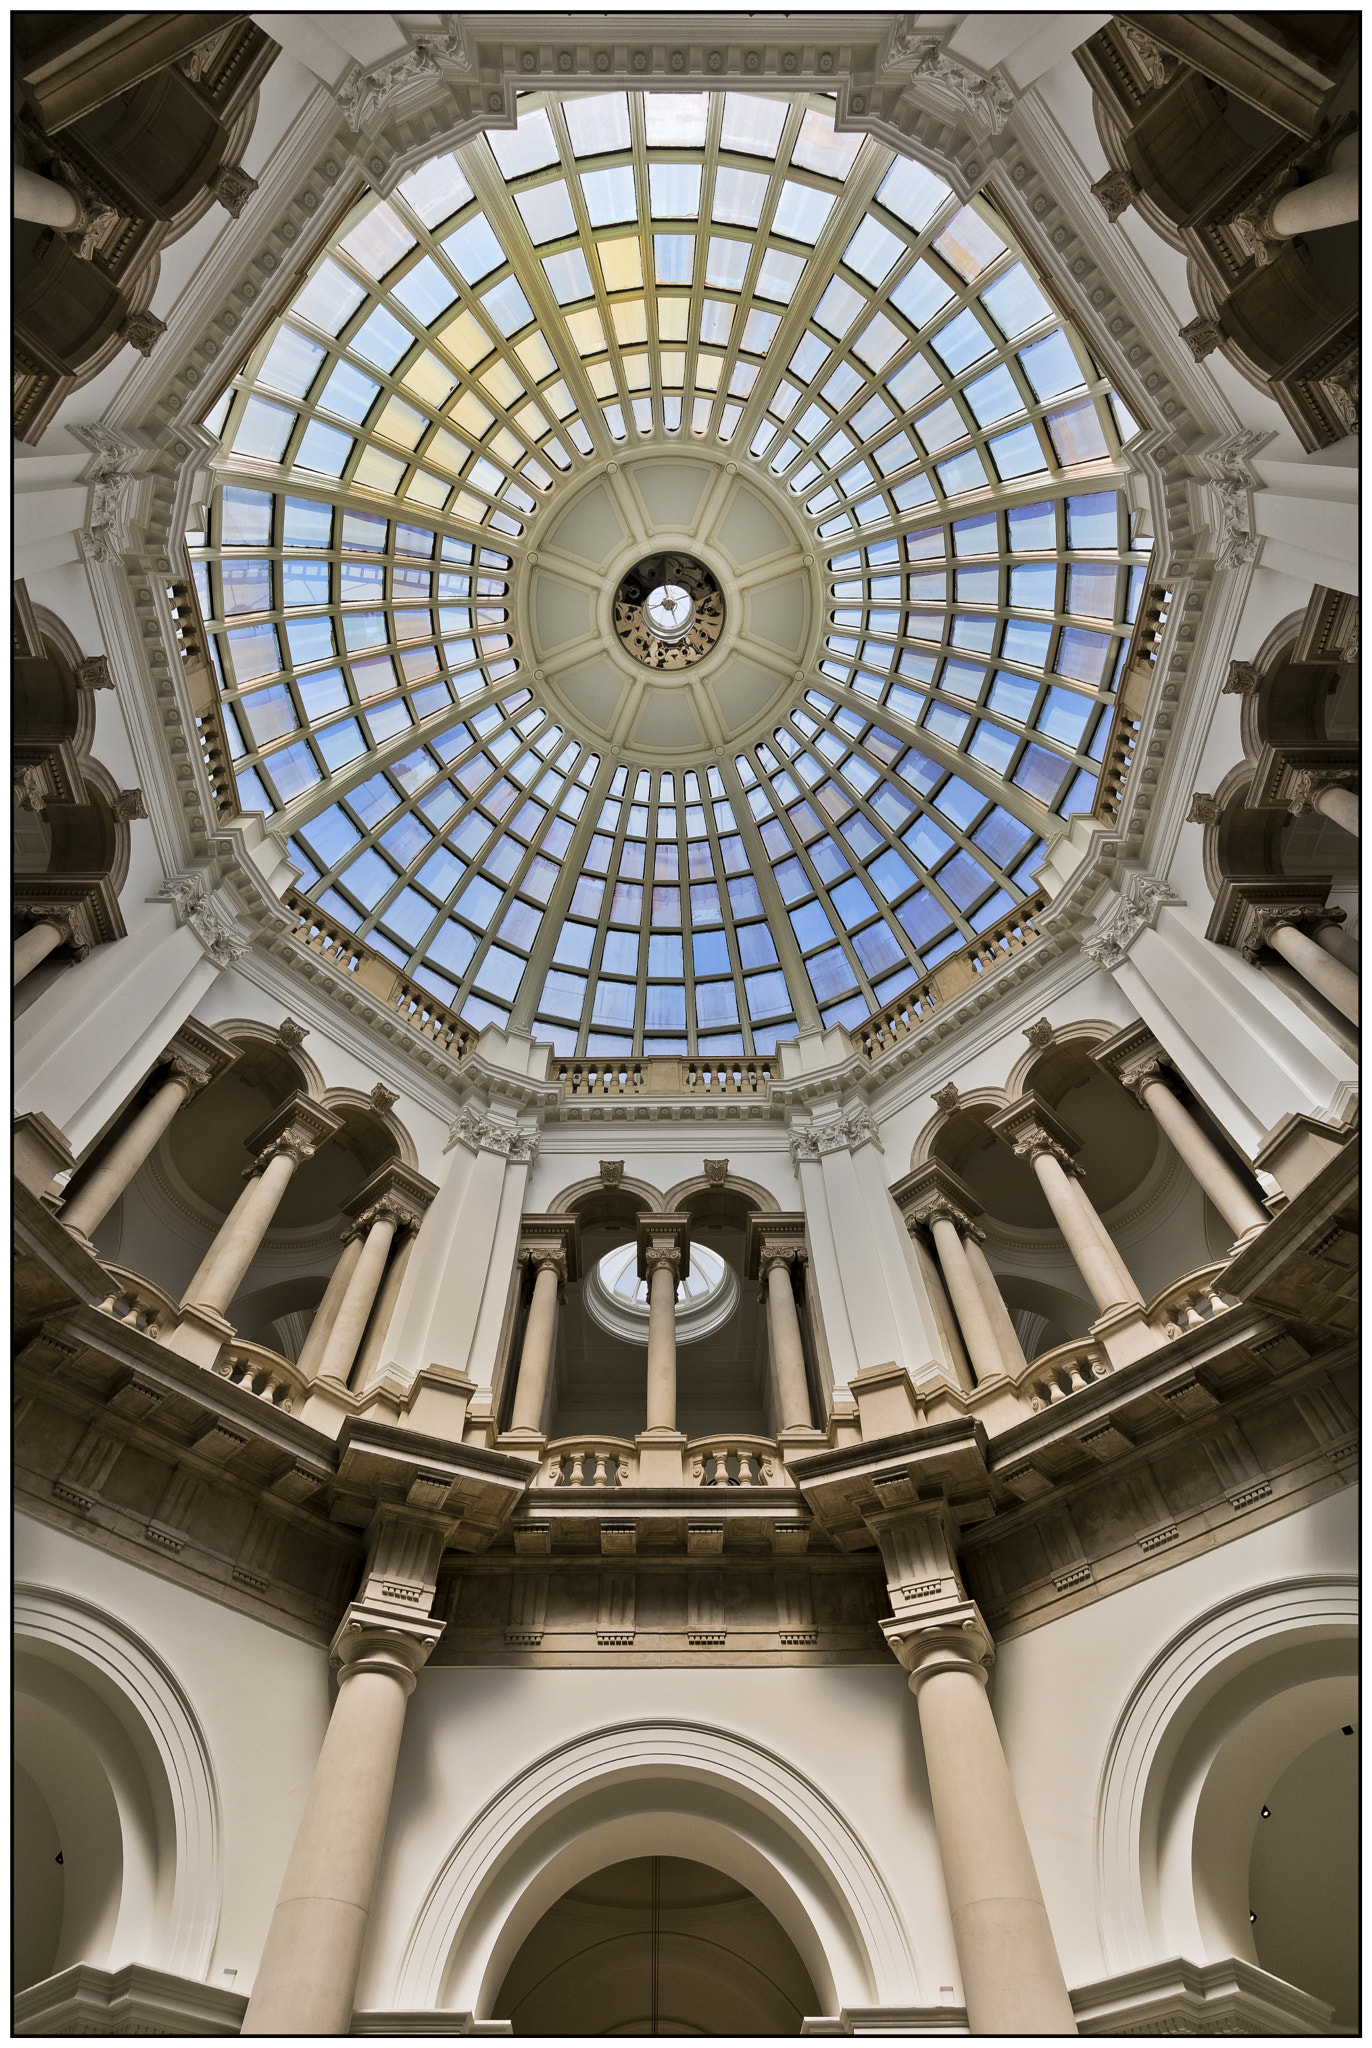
(664, 1259)
(1280, 928)
(391, 1202)
(1035, 1134)
(1148, 1083)
(933, 1198)
(289, 1137)
(194, 1058)
(1011, 1977)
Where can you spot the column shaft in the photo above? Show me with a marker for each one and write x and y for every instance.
(1013, 1360)
(88, 1209)
(1011, 1977)
(1327, 976)
(1100, 1265)
(1326, 203)
(536, 1356)
(43, 199)
(790, 1389)
(965, 1295)
(1334, 940)
(1208, 1166)
(1339, 804)
(662, 1347)
(383, 1308)
(34, 945)
(235, 1248)
(312, 1351)
(356, 1305)
(307, 1978)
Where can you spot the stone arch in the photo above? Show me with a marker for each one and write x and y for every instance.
(750, 1191)
(249, 1032)
(926, 1145)
(1159, 1771)
(614, 1793)
(361, 1109)
(121, 1693)
(1039, 1065)
(579, 1198)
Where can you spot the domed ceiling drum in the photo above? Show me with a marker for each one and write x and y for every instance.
(667, 573)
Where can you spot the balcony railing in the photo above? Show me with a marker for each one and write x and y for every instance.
(950, 979)
(624, 1078)
(1183, 1305)
(411, 1005)
(1139, 663)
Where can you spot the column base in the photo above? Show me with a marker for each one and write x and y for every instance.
(199, 1334)
(522, 1443)
(439, 1400)
(327, 1405)
(797, 1442)
(661, 1458)
(887, 1402)
(1124, 1335)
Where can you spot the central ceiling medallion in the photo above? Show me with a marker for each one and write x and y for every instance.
(669, 611)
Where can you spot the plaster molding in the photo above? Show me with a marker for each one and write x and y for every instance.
(482, 1877)
(190, 1894)
(1133, 907)
(1186, 1670)
(208, 913)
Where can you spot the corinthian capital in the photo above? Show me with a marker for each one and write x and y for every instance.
(1032, 1131)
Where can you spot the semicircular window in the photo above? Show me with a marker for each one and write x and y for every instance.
(667, 270)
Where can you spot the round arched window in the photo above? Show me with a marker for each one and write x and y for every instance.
(618, 1300)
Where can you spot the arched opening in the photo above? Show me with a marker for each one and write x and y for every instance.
(1226, 1814)
(601, 1359)
(86, 1829)
(657, 1945)
(1303, 1874)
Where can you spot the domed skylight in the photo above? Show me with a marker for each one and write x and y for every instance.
(617, 1300)
(708, 335)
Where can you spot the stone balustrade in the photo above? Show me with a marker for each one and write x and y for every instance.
(589, 1461)
(1188, 1302)
(265, 1373)
(411, 1005)
(625, 1078)
(734, 1460)
(909, 1015)
(1065, 1370)
(136, 1303)
(1135, 681)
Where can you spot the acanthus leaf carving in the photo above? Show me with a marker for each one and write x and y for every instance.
(208, 915)
(493, 1134)
(987, 101)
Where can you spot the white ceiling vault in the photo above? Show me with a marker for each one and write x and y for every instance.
(926, 717)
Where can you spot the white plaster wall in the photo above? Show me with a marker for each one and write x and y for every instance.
(262, 1699)
(1059, 1691)
(853, 1732)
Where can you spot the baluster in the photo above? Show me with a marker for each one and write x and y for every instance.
(578, 1472)
(745, 1468)
(600, 1477)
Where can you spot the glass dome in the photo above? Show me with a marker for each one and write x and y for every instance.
(828, 413)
